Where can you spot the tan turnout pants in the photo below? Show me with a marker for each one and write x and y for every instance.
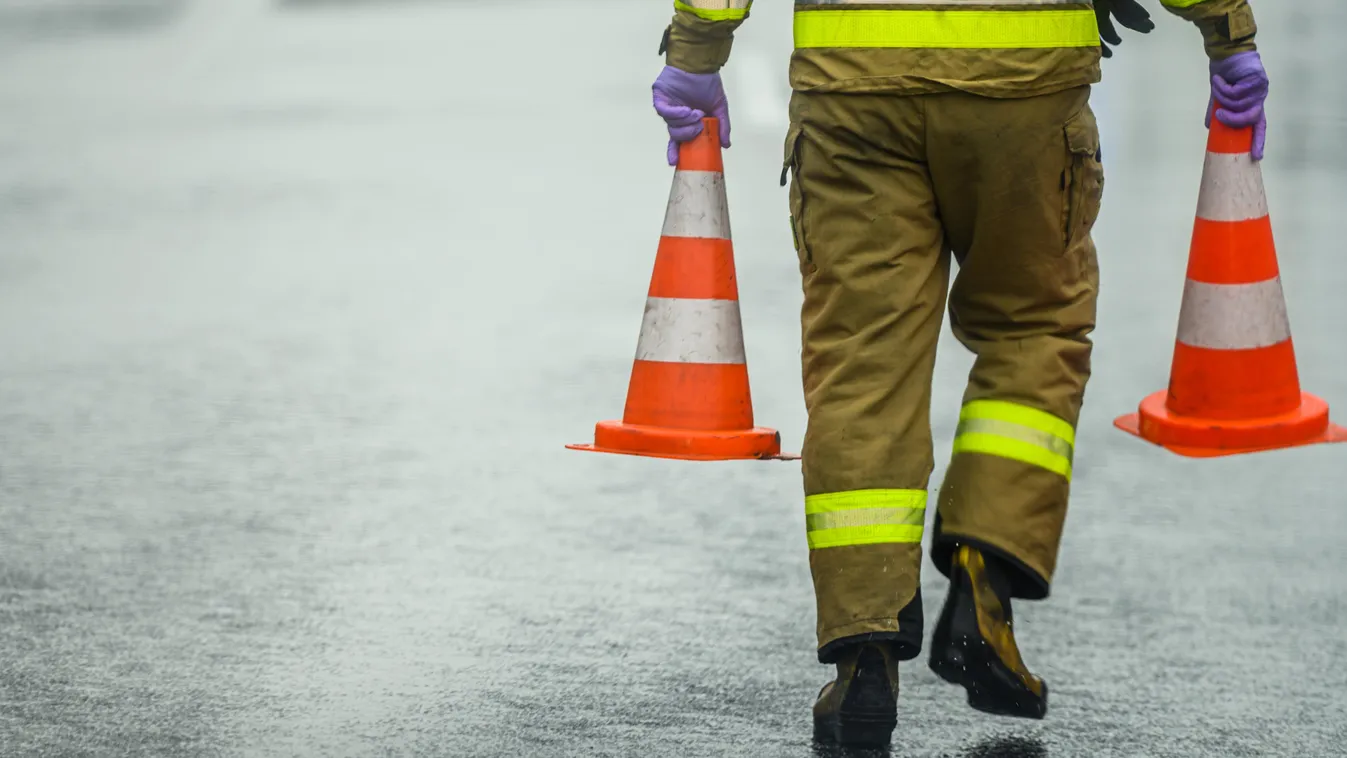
(885, 189)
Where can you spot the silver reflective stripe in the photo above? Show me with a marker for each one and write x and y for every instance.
(678, 330)
(1232, 189)
(697, 206)
(866, 517)
(1234, 316)
(973, 3)
(718, 5)
(1036, 437)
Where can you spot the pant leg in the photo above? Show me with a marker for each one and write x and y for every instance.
(1019, 184)
(875, 276)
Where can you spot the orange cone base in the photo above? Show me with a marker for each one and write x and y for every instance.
(1211, 438)
(684, 444)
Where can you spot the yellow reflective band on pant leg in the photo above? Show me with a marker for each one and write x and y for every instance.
(1040, 439)
(865, 517)
(1004, 447)
(817, 522)
(979, 29)
(1181, 3)
(1017, 432)
(715, 10)
(1022, 415)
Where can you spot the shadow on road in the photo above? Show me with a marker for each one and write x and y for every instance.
(833, 751)
(998, 747)
(1008, 747)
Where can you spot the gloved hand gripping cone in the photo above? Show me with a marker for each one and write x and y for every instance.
(974, 645)
(860, 708)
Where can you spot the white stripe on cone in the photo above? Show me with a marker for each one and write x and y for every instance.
(1232, 189)
(679, 330)
(697, 206)
(1234, 316)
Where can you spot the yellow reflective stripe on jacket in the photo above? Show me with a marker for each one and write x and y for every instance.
(865, 517)
(1181, 3)
(1017, 432)
(989, 29)
(715, 10)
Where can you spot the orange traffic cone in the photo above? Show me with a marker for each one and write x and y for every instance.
(689, 397)
(1234, 386)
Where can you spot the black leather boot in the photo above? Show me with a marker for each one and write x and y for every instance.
(860, 708)
(974, 645)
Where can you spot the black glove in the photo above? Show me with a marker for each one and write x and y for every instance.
(1128, 12)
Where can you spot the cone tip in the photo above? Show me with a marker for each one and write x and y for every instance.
(1228, 139)
(702, 153)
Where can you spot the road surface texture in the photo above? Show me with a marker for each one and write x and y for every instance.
(300, 301)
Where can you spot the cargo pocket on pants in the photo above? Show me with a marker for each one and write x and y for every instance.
(1083, 180)
(791, 165)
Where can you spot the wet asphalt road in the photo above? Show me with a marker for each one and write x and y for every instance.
(299, 303)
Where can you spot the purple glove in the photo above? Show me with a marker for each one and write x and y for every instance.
(684, 99)
(1240, 86)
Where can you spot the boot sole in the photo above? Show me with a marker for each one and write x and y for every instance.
(996, 691)
(858, 730)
